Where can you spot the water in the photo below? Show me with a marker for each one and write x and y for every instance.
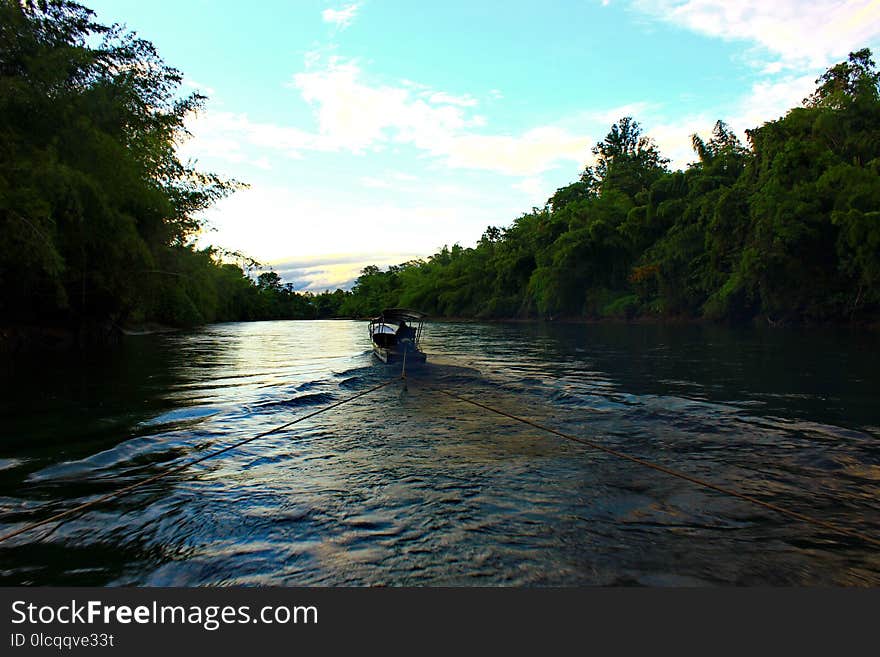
(411, 487)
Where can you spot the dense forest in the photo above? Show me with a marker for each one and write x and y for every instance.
(98, 216)
(785, 229)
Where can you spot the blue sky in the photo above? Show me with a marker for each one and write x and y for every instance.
(375, 132)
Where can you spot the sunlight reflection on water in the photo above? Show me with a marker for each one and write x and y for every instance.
(412, 487)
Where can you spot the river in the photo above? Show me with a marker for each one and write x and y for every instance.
(407, 486)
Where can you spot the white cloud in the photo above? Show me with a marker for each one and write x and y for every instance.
(765, 101)
(674, 138)
(274, 223)
(375, 183)
(768, 100)
(386, 179)
(327, 272)
(400, 175)
(355, 115)
(441, 97)
(262, 163)
(198, 86)
(341, 18)
(235, 138)
(534, 190)
(816, 32)
(359, 116)
(526, 154)
(604, 118)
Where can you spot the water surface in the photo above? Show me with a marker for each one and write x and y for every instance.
(410, 487)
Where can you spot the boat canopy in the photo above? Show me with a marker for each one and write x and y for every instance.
(396, 315)
(385, 330)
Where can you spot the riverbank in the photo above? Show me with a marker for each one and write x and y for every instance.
(147, 328)
(16, 338)
(672, 320)
(22, 338)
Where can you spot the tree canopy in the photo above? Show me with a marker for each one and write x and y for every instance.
(784, 228)
(98, 215)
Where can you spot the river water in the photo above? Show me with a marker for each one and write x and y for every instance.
(412, 487)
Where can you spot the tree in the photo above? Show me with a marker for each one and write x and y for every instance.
(626, 160)
(854, 80)
(92, 196)
(269, 280)
(724, 144)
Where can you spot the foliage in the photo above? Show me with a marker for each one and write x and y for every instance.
(98, 216)
(784, 229)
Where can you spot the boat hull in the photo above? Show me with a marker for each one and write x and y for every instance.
(392, 355)
(395, 335)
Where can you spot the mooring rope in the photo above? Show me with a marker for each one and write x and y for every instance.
(583, 441)
(403, 369)
(132, 487)
(675, 473)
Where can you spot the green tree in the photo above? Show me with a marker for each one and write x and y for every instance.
(854, 81)
(626, 160)
(92, 195)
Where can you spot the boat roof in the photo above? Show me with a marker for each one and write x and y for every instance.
(405, 314)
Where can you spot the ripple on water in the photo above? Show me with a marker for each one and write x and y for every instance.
(415, 487)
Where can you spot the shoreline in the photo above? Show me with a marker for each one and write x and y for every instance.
(59, 337)
(758, 322)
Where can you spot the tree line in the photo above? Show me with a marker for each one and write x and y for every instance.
(783, 229)
(98, 215)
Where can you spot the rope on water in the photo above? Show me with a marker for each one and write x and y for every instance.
(132, 487)
(403, 369)
(675, 473)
